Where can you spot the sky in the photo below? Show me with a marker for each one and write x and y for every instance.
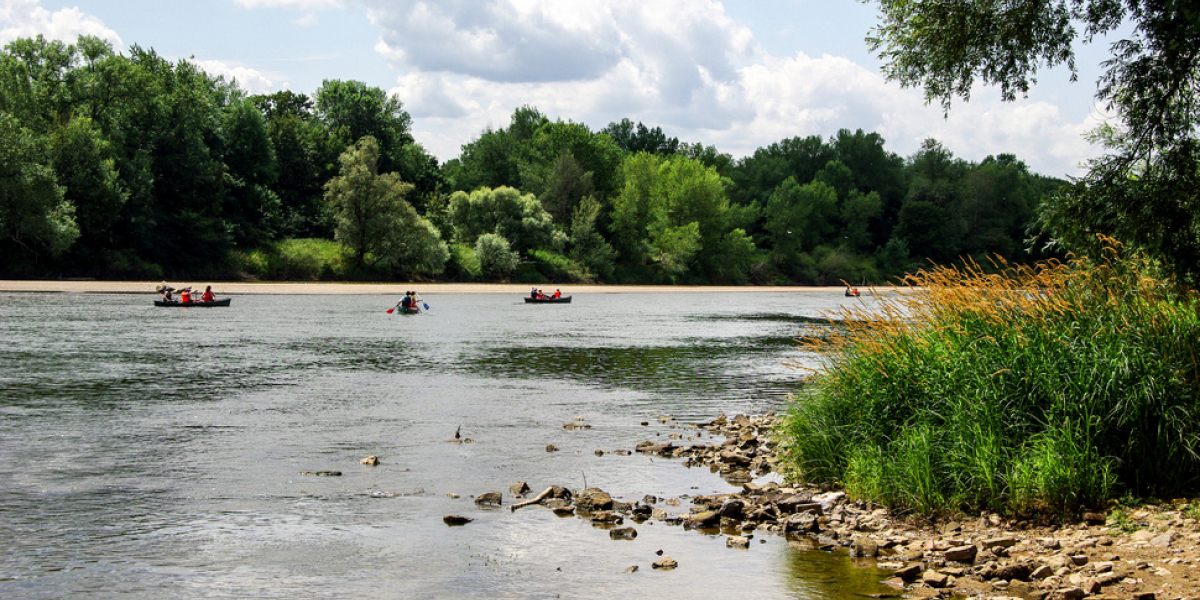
(738, 75)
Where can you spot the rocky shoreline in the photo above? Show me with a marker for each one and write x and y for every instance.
(1150, 552)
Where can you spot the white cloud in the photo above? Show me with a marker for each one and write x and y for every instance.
(683, 65)
(306, 5)
(250, 80)
(26, 18)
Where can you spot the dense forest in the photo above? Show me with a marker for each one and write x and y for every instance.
(133, 166)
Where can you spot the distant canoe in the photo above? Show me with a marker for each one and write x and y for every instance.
(548, 300)
(221, 302)
(408, 310)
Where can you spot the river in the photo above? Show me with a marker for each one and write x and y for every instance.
(150, 453)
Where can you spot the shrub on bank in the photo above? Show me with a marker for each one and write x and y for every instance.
(1038, 388)
(300, 259)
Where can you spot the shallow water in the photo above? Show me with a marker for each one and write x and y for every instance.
(156, 453)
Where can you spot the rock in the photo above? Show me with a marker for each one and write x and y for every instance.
(551, 448)
(732, 509)
(564, 511)
(322, 473)
(489, 499)
(455, 520)
(962, 553)
(864, 546)
(593, 499)
(935, 579)
(1072, 593)
(607, 518)
(1014, 572)
(910, 572)
(1001, 542)
(519, 489)
(737, 541)
(1095, 518)
(632, 569)
(801, 523)
(665, 563)
(453, 496)
(652, 448)
(599, 453)
(1165, 540)
(370, 461)
(798, 503)
(1142, 535)
(622, 533)
(703, 520)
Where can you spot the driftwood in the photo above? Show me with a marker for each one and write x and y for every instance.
(535, 500)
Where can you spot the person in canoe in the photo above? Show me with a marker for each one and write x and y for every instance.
(208, 295)
(185, 295)
(557, 294)
(166, 294)
(533, 293)
(406, 302)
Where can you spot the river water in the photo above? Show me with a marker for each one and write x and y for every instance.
(150, 453)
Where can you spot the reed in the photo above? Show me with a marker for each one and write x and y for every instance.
(1019, 388)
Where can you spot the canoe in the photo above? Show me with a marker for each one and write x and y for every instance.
(548, 300)
(410, 310)
(221, 302)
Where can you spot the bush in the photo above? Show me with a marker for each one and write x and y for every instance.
(463, 263)
(553, 266)
(301, 259)
(1036, 388)
(496, 257)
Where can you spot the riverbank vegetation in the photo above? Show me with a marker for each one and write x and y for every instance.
(125, 166)
(1042, 388)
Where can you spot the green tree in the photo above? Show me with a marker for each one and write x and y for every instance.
(518, 218)
(86, 168)
(33, 215)
(374, 221)
(566, 186)
(253, 212)
(799, 218)
(672, 214)
(639, 138)
(1143, 192)
(306, 157)
(588, 246)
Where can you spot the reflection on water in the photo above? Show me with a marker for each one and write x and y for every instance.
(156, 453)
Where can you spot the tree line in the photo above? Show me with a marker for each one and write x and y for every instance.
(133, 166)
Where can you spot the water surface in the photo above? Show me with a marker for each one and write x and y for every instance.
(156, 453)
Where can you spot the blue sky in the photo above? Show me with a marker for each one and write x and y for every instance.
(738, 75)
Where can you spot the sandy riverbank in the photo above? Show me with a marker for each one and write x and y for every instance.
(223, 288)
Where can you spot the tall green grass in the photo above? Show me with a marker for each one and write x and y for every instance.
(1039, 388)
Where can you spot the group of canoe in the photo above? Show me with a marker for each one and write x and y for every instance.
(410, 304)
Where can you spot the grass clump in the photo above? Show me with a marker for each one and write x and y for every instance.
(1039, 388)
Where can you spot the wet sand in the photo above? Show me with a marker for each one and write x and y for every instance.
(223, 288)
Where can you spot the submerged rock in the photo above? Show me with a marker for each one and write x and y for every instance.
(665, 563)
(490, 498)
